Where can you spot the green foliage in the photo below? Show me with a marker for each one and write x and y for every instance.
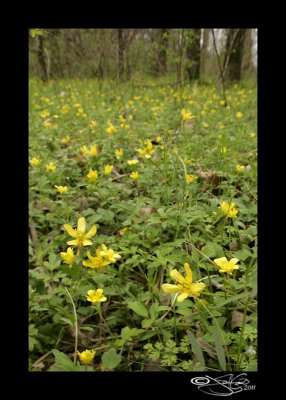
(156, 223)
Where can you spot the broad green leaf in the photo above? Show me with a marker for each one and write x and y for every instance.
(196, 348)
(64, 360)
(138, 308)
(146, 323)
(219, 343)
(111, 359)
(147, 335)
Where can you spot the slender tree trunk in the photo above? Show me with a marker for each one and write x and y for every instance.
(162, 56)
(204, 51)
(193, 51)
(42, 60)
(247, 64)
(235, 53)
(120, 65)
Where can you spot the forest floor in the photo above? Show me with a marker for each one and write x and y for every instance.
(169, 180)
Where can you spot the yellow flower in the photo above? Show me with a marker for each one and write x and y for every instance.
(239, 114)
(95, 296)
(187, 115)
(92, 175)
(227, 266)
(148, 151)
(228, 209)
(223, 150)
(111, 128)
(66, 139)
(47, 124)
(35, 162)
(186, 286)
(252, 134)
(108, 169)
(134, 175)
(84, 150)
(69, 256)
(86, 356)
(190, 178)
(61, 189)
(93, 150)
(93, 125)
(118, 153)
(97, 262)
(239, 168)
(123, 230)
(158, 139)
(51, 167)
(79, 233)
(132, 162)
(44, 114)
(109, 254)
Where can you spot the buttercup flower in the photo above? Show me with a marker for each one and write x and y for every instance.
(186, 286)
(239, 168)
(227, 266)
(95, 296)
(86, 356)
(158, 139)
(81, 238)
(84, 150)
(92, 175)
(51, 167)
(108, 169)
(239, 114)
(110, 129)
(148, 151)
(118, 153)
(97, 262)
(66, 139)
(61, 189)
(228, 209)
(190, 178)
(223, 150)
(132, 162)
(187, 115)
(93, 150)
(134, 175)
(109, 254)
(35, 162)
(69, 256)
(93, 125)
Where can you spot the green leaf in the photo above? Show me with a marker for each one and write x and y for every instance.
(148, 335)
(138, 308)
(35, 32)
(111, 359)
(231, 299)
(219, 343)
(127, 333)
(213, 250)
(146, 323)
(196, 348)
(64, 360)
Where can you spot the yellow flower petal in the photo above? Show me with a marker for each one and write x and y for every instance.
(73, 242)
(72, 232)
(99, 292)
(188, 272)
(91, 232)
(168, 288)
(177, 276)
(220, 261)
(86, 242)
(182, 297)
(234, 261)
(81, 224)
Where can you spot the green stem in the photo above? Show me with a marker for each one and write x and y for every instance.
(76, 326)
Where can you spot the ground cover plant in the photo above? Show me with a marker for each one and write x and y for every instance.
(142, 226)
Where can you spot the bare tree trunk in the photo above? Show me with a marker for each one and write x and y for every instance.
(204, 51)
(235, 53)
(247, 64)
(120, 65)
(193, 51)
(42, 60)
(162, 55)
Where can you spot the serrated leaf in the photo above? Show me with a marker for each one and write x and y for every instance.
(127, 333)
(196, 348)
(146, 323)
(111, 359)
(138, 308)
(64, 360)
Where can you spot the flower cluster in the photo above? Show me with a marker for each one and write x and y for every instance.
(148, 150)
